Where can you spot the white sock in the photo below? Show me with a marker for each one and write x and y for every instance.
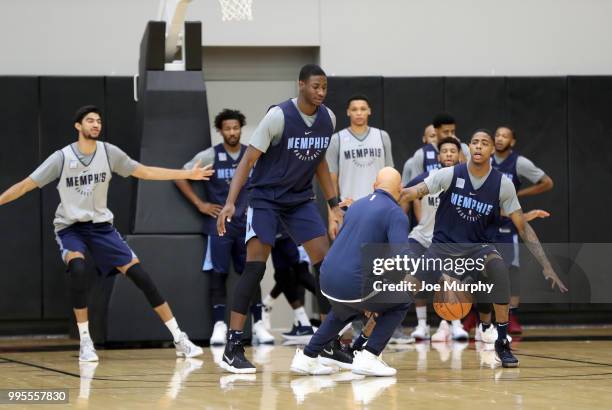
(173, 327)
(84, 330)
(457, 324)
(421, 312)
(301, 318)
(268, 300)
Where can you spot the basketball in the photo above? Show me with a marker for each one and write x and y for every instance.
(452, 311)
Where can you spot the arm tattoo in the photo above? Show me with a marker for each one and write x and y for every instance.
(533, 244)
(422, 189)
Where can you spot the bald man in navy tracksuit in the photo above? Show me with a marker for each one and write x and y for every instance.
(376, 218)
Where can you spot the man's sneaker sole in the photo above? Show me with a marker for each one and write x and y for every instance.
(217, 343)
(326, 361)
(89, 360)
(371, 373)
(227, 367)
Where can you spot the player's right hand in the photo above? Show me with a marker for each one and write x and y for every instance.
(226, 214)
(333, 229)
(210, 209)
(536, 213)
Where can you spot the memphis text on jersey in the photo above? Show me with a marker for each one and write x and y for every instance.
(363, 157)
(307, 148)
(465, 203)
(83, 182)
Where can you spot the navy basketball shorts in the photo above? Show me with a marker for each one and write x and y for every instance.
(442, 252)
(103, 242)
(302, 222)
(415, 248)
(285, 253)
(221, 250)
(507, 244)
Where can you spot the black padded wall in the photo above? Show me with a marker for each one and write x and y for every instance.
(121, 125)
(174, 124)
(410, 104)
(475, 102)
(59, 99)
(21, 279)
(590, 169)
(340, 89)
(537, 108)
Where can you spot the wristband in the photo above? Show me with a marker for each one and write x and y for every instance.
(333, 202)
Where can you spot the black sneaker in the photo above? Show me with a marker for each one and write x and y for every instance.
(234, 360)
(335, 354)
(299, 334)
(502, 348)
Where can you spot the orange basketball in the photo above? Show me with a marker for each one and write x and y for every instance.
(452, 311)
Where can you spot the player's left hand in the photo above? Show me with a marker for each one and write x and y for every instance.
(336, 216)
(200, 173)
(549, 274)
(536, 213)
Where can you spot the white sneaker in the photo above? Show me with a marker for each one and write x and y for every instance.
(421, 333)
(488, 336)
(369, 365)
(261, 334)
(87, 352)
(219, 334)
(443, 333)
(303, 364)
(459, 333)
(185, 348)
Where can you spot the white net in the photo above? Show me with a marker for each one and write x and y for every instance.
(238, 10)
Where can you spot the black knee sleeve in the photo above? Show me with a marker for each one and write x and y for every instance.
(145, 284)
(496, 273)
(78, 283)
(276, 291)
(324, 306)
(515, 280)
(247, 286)
(218, 292)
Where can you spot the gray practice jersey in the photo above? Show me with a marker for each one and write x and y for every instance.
(83, 181)
(270, 129)
(441, 180)
(423, 232)
(407, 171)
(356, 159)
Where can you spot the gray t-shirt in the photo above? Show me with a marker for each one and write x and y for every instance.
(207, 157)
(526, 169)
(441, 180)
(417, 159)
(51, 169)
(407, 171)
(270, 129)
(333, 151)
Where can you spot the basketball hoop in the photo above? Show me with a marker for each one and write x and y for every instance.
(238, 10)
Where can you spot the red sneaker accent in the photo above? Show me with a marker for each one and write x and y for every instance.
(471, 321)
(514, 327)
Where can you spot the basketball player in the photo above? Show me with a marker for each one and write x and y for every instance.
(289, 148)
(355, 155)
(518, 169)
(376, 218)
(426, 157)
(472, 196)
(429, 137)
(84, 223)
(224, 159)
(421, 236)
